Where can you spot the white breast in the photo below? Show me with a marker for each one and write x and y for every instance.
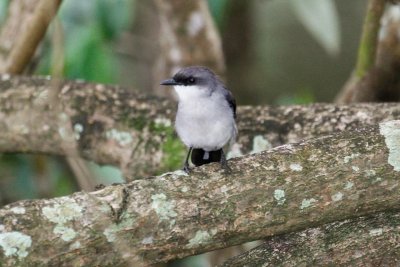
(203, 120)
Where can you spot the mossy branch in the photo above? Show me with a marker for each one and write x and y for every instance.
(341, 243)
(111, 125)
(289, 188)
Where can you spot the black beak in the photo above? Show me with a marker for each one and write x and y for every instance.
(169, 82)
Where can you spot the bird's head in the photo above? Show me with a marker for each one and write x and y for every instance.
(192, 82)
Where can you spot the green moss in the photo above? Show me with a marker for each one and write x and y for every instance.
(173, 152)
(137, 123)
(173, 149)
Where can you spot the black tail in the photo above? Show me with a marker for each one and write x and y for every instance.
(199, 156)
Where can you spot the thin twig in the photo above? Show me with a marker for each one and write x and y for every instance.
(369, 38)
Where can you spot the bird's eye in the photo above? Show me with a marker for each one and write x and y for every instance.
(191, 80)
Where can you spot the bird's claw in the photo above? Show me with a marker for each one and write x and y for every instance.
(186, 169)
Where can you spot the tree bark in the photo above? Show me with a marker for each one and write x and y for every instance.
(286, 189)
(366, 241)
(110, 125)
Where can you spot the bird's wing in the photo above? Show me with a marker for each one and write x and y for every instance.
(231, 101)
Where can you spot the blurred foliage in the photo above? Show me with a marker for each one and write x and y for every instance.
(321, 19)
(106, 174)
(90, 27)
(26, 177)
(3, 10)
(218, 10)
(301, 97)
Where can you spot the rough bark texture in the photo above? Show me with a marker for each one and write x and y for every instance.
(110, 125)
(366, 241)
(286, 189)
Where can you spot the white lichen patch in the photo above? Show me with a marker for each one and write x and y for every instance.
(175, 174)
(164, 122)
(279, 196)
(15, 244)
(2, 228)
(184, 189)
(178, 173)
(147, 240)
(355, 168)
(163, 207)
(376, 232)
(296, 167)
(195, 24)
(370, 173)
(391, 131)
(66, 233)
(18, 210)
(199, 238)
(75, 245)
(337, 197)
(121, 137)
(62, 213)
(224, 189)
(307, 202)
(111, 232)
(260, 144)
(358, 254)
(349, 185)
(78, 129)
(347, 159)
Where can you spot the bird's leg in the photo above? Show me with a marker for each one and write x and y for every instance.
(224, 162)
(186, 164)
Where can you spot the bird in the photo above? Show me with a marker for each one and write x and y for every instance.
(206, 116)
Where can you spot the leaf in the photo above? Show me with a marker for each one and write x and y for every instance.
(321, 19)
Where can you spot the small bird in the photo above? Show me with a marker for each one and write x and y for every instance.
(205, 120)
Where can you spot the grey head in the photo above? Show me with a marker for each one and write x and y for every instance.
(194, 75)
(204, 79)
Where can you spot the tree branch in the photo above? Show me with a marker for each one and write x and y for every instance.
(110, 125)
(375, 78)
(365, 241)
(286, 189)
(369, 39)
(33, 28)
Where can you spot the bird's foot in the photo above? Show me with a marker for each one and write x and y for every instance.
(225, 167)
(186, 168)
